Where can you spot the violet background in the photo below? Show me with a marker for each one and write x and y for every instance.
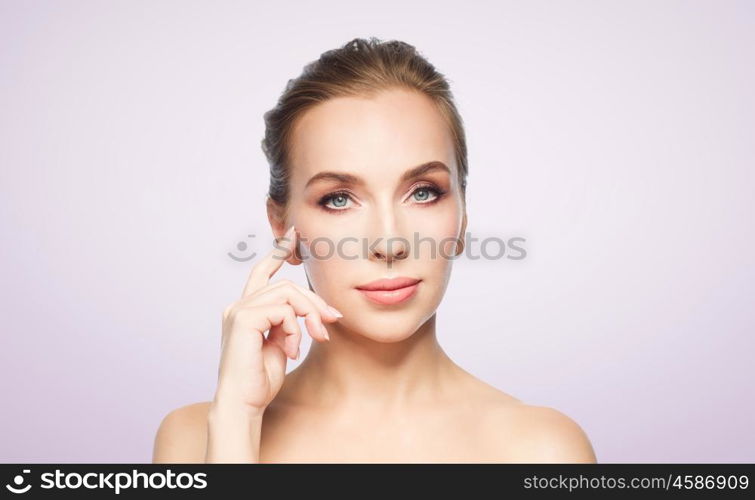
(617, 137)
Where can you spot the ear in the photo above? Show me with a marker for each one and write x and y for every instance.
(279, 225)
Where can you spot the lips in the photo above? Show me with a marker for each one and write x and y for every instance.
(389, 284)
(390, 291)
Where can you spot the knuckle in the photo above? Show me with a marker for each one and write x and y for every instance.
(240, 315)
(286, 310)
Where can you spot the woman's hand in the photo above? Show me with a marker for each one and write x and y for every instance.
(252, 367)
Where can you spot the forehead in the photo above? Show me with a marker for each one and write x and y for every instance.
(394, 129)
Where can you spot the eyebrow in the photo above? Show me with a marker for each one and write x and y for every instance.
(354, 180)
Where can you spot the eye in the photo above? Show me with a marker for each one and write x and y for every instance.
(339, 199)
(425, 192)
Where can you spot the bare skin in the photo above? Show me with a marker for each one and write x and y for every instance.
(492, 428)
(381, 388)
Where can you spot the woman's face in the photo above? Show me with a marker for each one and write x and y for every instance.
(377, 222)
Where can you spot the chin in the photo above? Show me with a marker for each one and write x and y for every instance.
(386, 336)
(386, 326)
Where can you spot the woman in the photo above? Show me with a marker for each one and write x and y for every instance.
(368, 170)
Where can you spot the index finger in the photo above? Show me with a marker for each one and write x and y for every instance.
(264, 269)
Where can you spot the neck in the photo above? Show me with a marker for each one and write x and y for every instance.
(352, 370)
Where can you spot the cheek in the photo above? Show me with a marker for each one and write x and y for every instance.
(323, 250)
(441, 228)
(324, 244)
(330, 274)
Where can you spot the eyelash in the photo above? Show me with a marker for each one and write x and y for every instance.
(438, 192)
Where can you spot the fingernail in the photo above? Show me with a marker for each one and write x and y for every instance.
(283, 242)
(324, 331)
(335, 312)
(286, 238)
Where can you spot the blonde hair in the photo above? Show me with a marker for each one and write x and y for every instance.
(361, 67)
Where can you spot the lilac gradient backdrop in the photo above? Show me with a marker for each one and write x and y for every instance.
(617, 137)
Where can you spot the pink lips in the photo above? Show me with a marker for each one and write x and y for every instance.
(390, 291)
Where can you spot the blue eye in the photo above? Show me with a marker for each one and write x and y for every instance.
(435, 191)
(339, 199)
(422, 190)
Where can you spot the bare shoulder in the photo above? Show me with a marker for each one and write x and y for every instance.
(514, 431)
(182, 435)
(526, 433)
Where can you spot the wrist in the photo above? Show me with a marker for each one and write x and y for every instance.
(226, 411)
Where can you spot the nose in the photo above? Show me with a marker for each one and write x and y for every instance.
(386, 243)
